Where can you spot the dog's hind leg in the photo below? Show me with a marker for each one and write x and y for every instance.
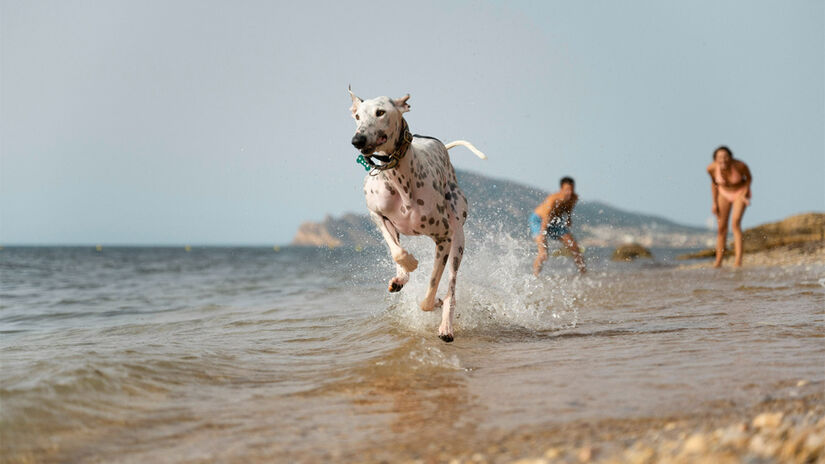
(445, 331)
(442, 251)
(405, 262)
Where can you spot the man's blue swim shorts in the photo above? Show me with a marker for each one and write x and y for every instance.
(555, 229)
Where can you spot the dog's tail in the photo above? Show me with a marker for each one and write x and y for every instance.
(468, 145)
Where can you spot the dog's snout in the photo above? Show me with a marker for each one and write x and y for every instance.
(359, 141)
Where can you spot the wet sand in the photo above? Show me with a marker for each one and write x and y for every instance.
(801, 254)
(787, 426)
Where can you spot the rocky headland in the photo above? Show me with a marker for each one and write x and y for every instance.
(497, 204)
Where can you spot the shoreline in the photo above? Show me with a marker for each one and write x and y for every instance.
(788, 426)
(800, 254)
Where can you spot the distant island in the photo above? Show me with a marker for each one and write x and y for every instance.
(504, 204)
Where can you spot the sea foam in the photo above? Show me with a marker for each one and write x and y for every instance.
(495, 288)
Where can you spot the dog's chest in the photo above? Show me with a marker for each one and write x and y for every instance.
(414, 204)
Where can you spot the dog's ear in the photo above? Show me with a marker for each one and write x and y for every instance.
(355, 101)
(401, 103)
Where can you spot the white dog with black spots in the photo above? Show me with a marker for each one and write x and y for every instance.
(412, 190)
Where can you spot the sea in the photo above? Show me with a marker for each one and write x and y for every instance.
(296, 354)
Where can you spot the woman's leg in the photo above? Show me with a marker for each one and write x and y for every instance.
(722, 216)
(738, 211)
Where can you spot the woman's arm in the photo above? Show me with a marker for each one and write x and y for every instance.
(746, 172)
(714, 191)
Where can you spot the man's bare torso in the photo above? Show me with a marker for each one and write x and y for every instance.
(556, 206)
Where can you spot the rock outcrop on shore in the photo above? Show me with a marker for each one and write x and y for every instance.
(802, 231)
(630, 251)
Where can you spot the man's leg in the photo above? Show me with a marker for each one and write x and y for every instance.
(541, 241)
(570, 242)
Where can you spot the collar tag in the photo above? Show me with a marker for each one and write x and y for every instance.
(363, 162)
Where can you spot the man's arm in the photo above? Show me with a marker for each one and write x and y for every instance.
(545, 218)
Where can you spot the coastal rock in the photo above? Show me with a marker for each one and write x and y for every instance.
(314, 234)
(350, 229)
(630, 252)
(803, 231)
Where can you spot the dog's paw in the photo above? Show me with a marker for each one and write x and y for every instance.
(395, 285)
(406, 261)
(445, 331)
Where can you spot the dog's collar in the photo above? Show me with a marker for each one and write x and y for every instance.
(389, 161)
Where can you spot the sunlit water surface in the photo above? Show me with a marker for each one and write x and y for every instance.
(253, 354)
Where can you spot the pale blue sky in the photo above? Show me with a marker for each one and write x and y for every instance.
(204, 122)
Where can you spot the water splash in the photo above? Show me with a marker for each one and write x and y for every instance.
(495, 289)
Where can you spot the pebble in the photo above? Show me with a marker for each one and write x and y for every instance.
(815, 443)
(478, 457)
(639, 454)
(552, 453)
(733, 435)
(585, 454)
(761, 446)
(767, 420)
(696, 444)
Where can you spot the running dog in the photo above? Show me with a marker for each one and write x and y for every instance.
(412, 190)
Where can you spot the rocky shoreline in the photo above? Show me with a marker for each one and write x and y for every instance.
(797, 254)
(788, 428)
(798, 239)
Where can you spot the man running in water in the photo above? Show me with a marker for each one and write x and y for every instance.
(552, 219)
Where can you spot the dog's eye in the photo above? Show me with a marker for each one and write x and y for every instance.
(357, 118)
(379, 113)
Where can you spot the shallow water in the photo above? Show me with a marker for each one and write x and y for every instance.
(252, 354)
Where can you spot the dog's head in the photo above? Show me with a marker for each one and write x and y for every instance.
(379, 121)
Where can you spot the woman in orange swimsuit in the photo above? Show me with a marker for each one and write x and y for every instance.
(730, 187)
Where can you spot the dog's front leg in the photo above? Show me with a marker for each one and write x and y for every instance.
(405, 262)
(445, 331)
(442, 251)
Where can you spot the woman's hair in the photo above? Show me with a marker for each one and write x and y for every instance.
(722, 147)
